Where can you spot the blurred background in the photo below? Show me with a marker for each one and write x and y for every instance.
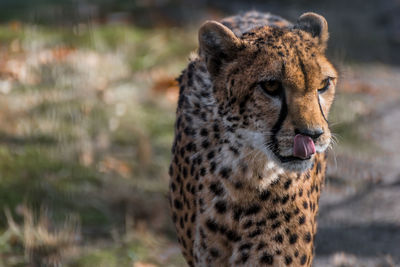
(87, 107)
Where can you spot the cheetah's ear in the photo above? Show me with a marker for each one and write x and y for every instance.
(218, 44)
(316, 25)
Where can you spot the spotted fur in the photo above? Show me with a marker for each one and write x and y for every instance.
(238, 195)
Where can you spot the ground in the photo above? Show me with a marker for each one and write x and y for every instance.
(86, 126)
(359, 214)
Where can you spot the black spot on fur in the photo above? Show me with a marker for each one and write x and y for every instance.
(178, 205)
(296, 211)
(225, 172)
(215, 127)
(303, 259)
(302, 219)
(267, 259)
(189, 131)
(184, 172)
(247, 224)
(216, 188)
(212, 167)
(287, 216)
(264, 195)
(173, 187)
(237, 212)
(278, 238)
(203, 132)
(261, 245)
(244, 257)
(212, 225)
(272, 215)
(245, 246)
(191, 147)
(293, 238)
(205, 144)
(255, 233)
(253, 209)
(276, 225)
(233, 236)
(287, 184)
(261, 222)
(220, 206)
(307, 237)
(238, 185)
(318, 169)
(222, 229)
(285, 199)
(214, 252)
(210, 155)
(234, 150)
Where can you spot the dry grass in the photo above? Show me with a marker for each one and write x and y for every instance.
(44, 244)
(84, 139)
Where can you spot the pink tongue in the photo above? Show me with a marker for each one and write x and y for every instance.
(303, 146)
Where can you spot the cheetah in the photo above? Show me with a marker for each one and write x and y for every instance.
(248, 158)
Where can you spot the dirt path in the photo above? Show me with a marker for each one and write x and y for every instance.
(359, 220)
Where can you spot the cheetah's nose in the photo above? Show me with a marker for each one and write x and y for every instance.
(313, 133)
(303, 146)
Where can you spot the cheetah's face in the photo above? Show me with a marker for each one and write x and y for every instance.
(279, 83)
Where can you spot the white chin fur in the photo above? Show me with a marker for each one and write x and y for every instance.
(295, 166)
(298, 165)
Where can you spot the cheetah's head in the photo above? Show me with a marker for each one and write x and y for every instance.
(278, 82)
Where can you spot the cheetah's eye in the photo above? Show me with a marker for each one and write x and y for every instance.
(271, 87)
(327, 84)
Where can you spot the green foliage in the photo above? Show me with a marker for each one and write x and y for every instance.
(89, 139)
(31, 175)
(347, 124)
